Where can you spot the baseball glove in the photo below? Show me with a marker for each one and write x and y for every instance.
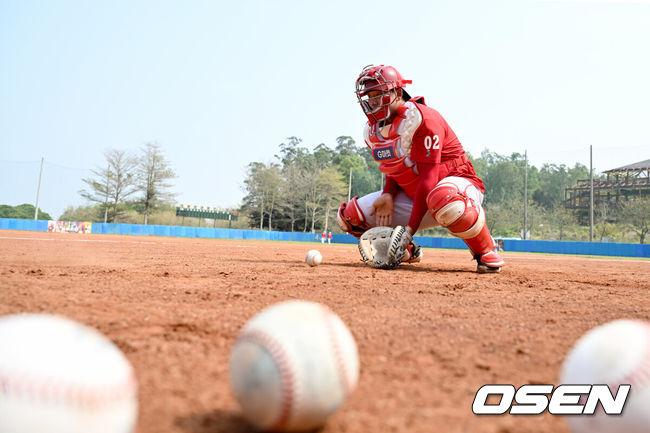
(384, 247)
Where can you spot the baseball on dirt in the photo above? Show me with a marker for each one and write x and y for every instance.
(57, 375)
(615, 353)
(292, 366)
(313, 258)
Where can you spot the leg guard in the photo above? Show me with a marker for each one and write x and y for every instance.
(351, 218)
(465, 219)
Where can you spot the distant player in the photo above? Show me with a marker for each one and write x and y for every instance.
(323, 236)
(329, 238)
(429, 180)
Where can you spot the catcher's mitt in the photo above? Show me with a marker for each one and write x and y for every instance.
(384, 247)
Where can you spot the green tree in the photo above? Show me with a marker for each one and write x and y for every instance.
(365, 181)
(480, 164)
(153, 174)
(23, 211)
(635, 214)
(603, 221)
(81, 213)
(301, 203)
(366, 177)
(263, 185)
(290, 196)
(504, 179)
(351, 162)
(560, 218)
(345, 147)
(297, 166)
(366, 154)
(579, 172)
(112, 185)
(351, 169)
(323, 156)
(312, 198)
(291, 151)
(333, 190)
(504, 219)
(554, 180)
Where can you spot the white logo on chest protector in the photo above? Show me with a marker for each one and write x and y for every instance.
(384, 153)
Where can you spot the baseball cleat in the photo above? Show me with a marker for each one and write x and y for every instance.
(483, 269)
(489, 263)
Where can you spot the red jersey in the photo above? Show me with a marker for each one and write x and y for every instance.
(435, 142)
(388, 150)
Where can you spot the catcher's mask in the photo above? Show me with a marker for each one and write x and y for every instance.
(375, 91)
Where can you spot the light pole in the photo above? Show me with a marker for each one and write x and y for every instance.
(591, 194)
(350, 185)
(38, 191)
(108, 173)
(525, 194)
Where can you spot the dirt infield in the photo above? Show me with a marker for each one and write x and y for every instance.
(429, 335)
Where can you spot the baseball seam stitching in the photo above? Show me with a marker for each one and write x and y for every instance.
(24, 385)
(639, 377)
(287, 376)
(342, 370)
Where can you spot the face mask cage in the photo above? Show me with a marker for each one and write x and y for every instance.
(374, 106)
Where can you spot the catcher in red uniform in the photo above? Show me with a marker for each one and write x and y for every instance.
(429, 180)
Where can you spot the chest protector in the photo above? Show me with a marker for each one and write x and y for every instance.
(391, 147)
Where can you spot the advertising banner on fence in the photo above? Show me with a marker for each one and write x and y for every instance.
(69, 226)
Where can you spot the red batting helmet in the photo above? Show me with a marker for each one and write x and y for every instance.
(382, 78)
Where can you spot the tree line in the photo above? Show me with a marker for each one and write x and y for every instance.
(128, 183)
(23, 211)
(301, 191)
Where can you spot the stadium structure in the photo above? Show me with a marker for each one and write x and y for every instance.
(619, 184)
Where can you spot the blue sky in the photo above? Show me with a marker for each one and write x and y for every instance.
(220, 84)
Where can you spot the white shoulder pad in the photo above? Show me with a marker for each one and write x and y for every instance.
(408, 127)
(366, 133)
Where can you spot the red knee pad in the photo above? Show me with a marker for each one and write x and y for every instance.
(463, 217)
(351, 218)
(455, 211)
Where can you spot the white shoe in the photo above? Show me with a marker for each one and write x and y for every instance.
(489, 263)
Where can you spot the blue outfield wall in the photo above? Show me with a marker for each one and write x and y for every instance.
(530, 246)
(27, 225)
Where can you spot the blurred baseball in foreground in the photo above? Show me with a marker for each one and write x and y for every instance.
(313, 258)
(58, 376)
(614, 353)
(292, 366)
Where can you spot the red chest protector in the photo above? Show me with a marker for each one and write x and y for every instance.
(387, 151)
